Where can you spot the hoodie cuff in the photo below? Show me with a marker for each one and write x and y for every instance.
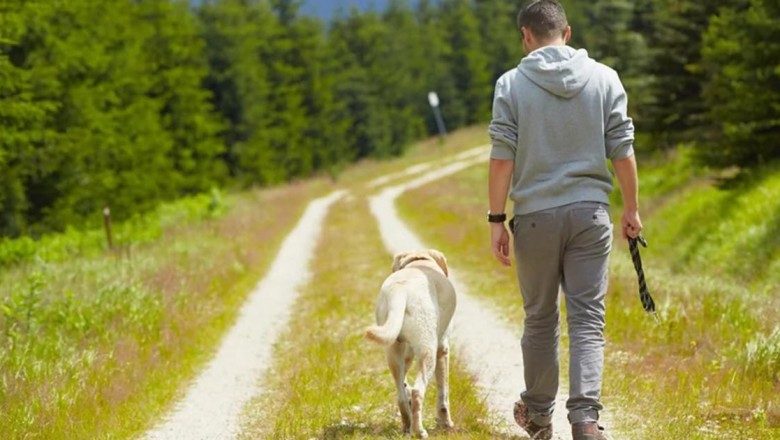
(502, 152)
(623, 151)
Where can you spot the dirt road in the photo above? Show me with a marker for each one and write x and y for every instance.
(481, 337)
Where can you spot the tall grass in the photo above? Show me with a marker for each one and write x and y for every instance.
(729, 227)
(709, 370)
(141, 229)
(97, 344)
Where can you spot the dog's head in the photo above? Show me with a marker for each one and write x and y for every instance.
(402, 259)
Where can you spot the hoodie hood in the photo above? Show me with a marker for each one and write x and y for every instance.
(561, 70)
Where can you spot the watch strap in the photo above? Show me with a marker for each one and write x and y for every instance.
(496, 218)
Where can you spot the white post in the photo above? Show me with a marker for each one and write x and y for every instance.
(433, 100)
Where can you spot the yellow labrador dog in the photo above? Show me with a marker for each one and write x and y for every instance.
(413, 315)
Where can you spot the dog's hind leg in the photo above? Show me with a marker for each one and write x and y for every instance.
(426, 361)
(443, 419)
(399, 363)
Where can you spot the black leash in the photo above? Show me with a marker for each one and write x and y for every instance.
(644, 294)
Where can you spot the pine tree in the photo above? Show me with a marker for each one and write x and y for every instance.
(741, 60)
(325, 131)
(286, 56)
(500, 37)
(435, 73)
(677, 111)
(236, 32)
(354, 40)
(21, 120)
(467, 61)
(176, 59)
(99, 139)
(401, 66)
(612, 38)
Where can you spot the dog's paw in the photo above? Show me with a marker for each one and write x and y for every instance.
(422, 434)
(443, 419)
(445, 424)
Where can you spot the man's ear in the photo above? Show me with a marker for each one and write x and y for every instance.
(527, 35)
(440, 259)
(567, 34)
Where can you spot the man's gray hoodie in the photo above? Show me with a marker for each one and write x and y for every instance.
(560, 115)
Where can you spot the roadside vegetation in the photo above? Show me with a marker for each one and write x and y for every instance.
(709, 369)
(96, 343)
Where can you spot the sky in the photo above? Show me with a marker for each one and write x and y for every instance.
(326, 9)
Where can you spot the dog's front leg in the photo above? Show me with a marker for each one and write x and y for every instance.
(443, 419)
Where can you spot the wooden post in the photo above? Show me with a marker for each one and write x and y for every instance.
(107, 223)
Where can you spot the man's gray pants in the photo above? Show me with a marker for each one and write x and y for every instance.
(564, 248)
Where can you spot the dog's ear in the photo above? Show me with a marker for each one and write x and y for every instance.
(397, 260)
(440, 259)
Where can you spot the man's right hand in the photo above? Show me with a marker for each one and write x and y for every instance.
(499, 239)
(631, 223)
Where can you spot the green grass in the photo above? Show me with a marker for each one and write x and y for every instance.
(709, 370)
(97, 346)
(141, 229)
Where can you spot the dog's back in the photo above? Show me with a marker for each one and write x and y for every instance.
(415, 305)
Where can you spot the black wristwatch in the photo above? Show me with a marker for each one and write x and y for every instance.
(496, 218)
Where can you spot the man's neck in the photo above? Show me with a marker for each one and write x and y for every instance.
(555, 42)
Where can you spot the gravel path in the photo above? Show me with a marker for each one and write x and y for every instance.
(214, 402)
(489, 345)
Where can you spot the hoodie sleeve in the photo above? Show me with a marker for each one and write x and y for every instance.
(619, 133)
(503, 127)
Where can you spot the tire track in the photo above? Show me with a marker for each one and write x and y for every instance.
(490, 348)
(213, 404)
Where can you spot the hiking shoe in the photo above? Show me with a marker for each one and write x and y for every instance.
(589, 431)
(524, 420)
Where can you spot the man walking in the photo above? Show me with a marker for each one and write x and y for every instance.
(557, 118)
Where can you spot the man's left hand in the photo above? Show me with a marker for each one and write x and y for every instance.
(499, 239)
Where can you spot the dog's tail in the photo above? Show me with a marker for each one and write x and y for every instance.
(388, 332)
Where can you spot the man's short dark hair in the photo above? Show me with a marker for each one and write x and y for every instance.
(545, 18)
